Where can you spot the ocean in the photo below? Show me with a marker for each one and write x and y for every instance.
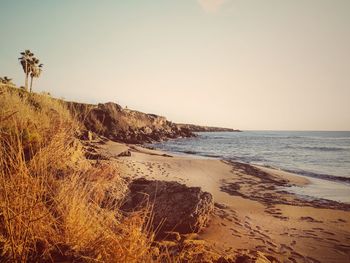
(322, 156)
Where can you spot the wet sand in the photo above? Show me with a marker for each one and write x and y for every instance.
(252, 211)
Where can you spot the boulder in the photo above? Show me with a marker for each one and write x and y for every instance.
(176, 207)
(125, 154)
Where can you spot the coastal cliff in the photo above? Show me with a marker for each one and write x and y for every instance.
(124, 125)
(129, 126)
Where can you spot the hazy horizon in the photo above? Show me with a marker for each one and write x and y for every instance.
(249, 65)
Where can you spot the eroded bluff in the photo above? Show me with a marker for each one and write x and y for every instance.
(124, 125)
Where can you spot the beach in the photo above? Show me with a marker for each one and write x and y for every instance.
(209, 131)
(253, 212)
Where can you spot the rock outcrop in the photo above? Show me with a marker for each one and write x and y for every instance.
(124, 125)
(176, 207)
(129, 126)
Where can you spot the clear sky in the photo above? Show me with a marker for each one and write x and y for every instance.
(243, 64)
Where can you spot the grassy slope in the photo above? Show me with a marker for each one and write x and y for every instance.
(54, 204)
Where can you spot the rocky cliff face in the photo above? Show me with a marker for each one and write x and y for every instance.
(124, 125)
(130, 126)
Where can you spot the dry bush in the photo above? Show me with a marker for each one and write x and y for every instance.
(54, 204)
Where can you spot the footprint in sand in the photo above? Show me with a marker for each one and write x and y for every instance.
(309, 219)
(292, 260)
(271, 250)
(271, 244)
(234, 230)
(310, 259)
(342, 220)
(328, 233)
(332, 239)
(285, 249)
(260, 248)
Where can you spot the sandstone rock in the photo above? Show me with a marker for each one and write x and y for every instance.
(176, 207)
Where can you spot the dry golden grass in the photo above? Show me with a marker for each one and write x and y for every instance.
(54, 204)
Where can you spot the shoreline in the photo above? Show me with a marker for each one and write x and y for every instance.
(299, 168)
(252, 212)
(306, 174)
(319, 186)
(291, 180)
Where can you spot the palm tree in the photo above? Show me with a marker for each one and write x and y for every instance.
(35, 70)
(25, 62)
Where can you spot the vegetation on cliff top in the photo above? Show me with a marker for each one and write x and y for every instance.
(31, 66)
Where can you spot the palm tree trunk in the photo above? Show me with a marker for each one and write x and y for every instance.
(26, 80)
(31, 83)
(26, 83)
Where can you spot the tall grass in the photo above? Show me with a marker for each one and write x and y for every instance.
(54, 204)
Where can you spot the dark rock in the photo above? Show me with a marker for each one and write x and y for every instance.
(176, 207)
(125, 154)
(244, 259)
(96, 156)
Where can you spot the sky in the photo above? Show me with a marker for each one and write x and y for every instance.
(246, 64)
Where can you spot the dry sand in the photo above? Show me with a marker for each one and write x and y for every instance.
(252, 210)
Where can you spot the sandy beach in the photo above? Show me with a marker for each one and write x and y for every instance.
(252, 209)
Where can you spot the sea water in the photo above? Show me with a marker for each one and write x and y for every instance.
(322, 156)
